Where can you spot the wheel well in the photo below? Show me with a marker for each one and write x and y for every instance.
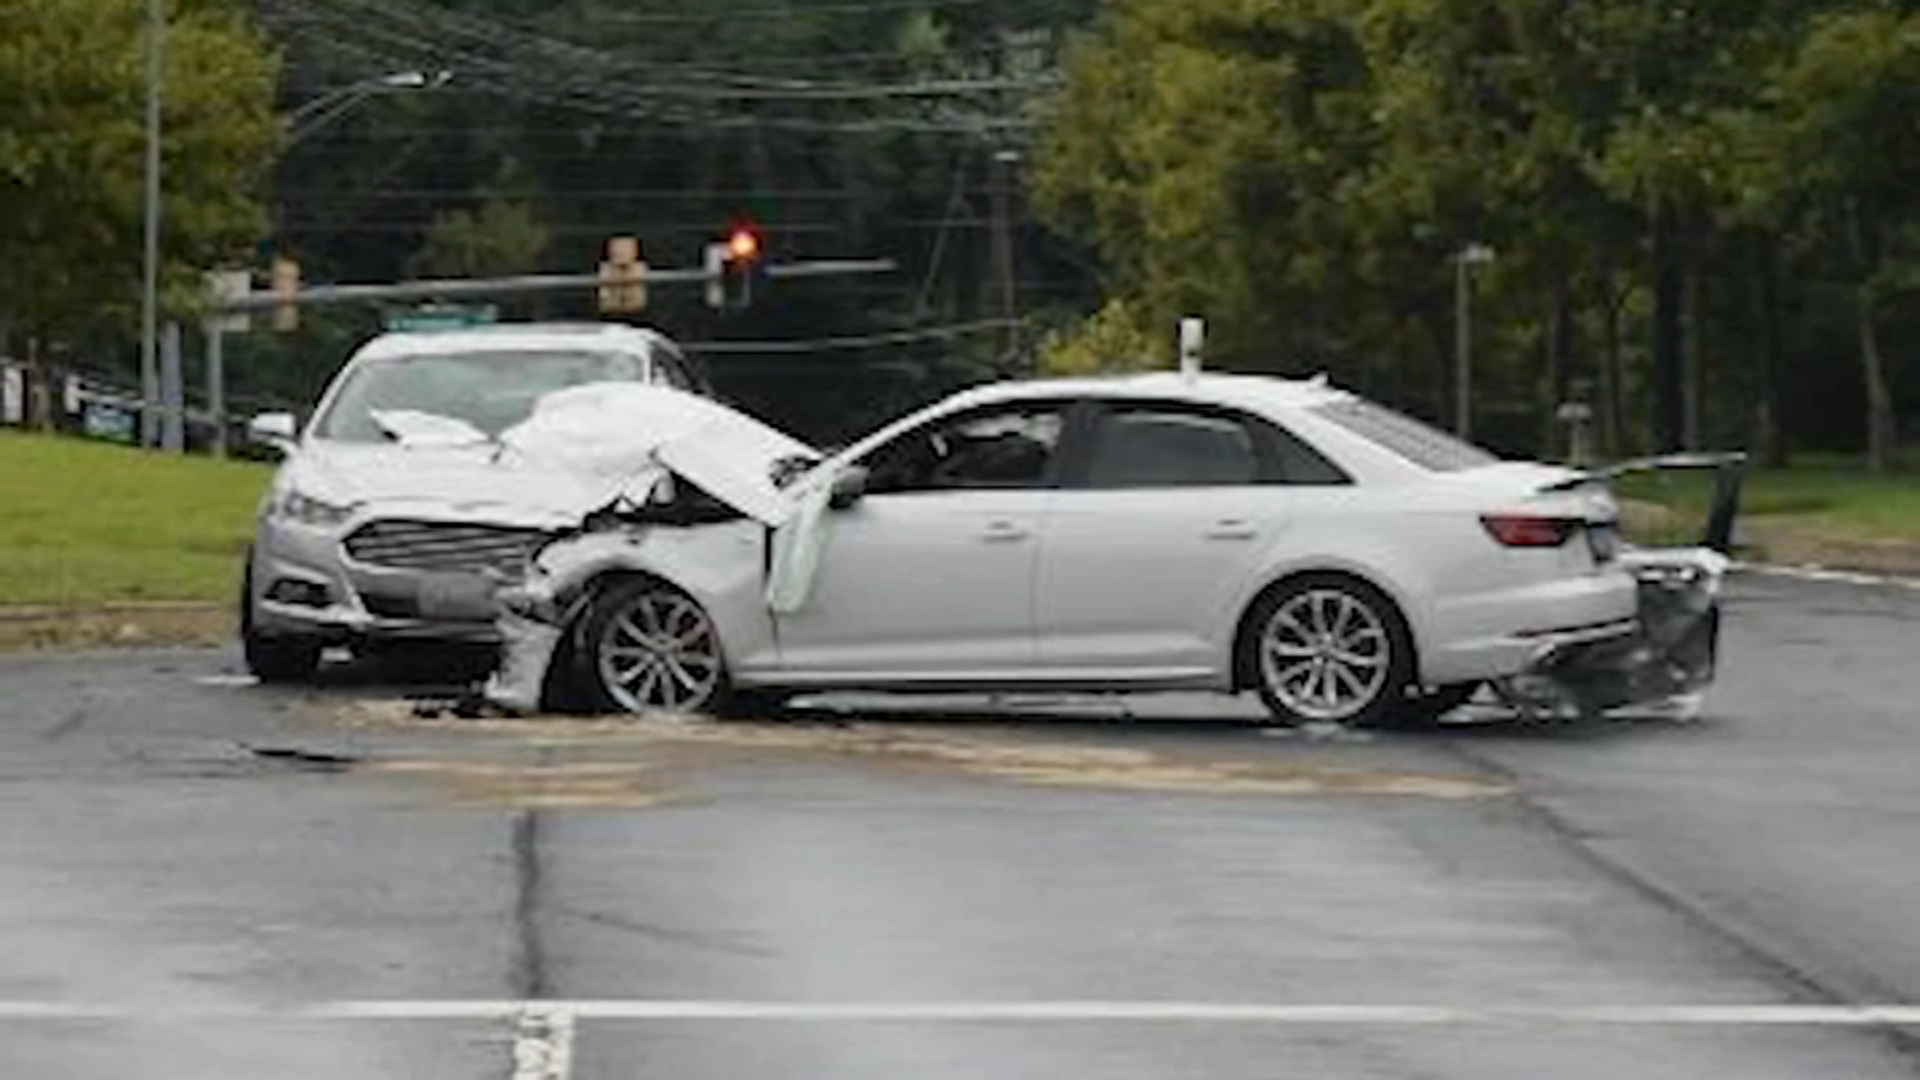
(1243, 658)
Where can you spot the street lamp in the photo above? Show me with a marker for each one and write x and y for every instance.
(1468, 257)
(320, 111)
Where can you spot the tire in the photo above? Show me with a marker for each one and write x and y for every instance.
(276, 659)
(752, 705)
(1326, 648)
(645, 646)
(1423, 710)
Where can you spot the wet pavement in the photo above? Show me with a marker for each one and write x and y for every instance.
(209, 878)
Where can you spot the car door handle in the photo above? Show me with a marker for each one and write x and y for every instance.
(1232, 529)
(1001, 532)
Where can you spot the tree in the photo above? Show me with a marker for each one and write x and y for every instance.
(1112, 339)
(1844, 118)
(502, 237)
(72, 92)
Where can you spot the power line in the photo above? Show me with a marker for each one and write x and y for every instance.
(352, 24)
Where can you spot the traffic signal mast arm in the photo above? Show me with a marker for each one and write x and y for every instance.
(456, 288)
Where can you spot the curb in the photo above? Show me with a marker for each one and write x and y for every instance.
(45, 612)
(1813, 572)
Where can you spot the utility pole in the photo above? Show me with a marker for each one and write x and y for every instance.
(1001, 193)
(150, 269)
(217, 386)
(173, 392)
(1463, 263)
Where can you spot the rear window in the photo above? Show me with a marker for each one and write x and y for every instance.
(1421, 443)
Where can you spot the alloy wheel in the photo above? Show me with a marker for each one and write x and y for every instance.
(1326, 655)
(658, 652)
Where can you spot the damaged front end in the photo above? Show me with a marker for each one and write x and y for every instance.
(1669, 658)
(703, 492)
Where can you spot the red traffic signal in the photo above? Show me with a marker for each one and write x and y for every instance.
(743, 244)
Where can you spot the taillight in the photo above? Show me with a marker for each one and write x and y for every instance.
(1528, 530)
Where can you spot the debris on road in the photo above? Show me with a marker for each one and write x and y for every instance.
(674, 742)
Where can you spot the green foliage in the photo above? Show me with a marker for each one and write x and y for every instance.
(502, 237)
(1301, 172)
(72, 108)
(1113, 339)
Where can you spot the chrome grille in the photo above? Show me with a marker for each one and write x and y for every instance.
(441, 546)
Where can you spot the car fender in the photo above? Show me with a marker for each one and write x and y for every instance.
(1389, 567)
(720, 565)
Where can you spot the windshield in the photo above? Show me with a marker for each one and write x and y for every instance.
(491, 390)
(1421, 443)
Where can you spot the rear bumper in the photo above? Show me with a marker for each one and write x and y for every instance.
(1670, 652)
(1499, 634)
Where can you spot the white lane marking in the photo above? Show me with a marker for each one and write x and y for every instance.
(1832, 577)
(228, 682)
(547, 1026)
(543, 1046)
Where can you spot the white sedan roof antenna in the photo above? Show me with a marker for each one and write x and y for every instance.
(1193, 334)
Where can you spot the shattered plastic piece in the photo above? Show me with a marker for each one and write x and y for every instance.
(797, 547)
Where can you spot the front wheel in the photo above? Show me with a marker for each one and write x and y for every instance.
(1329, 649)
(648, 647)
(277, 659)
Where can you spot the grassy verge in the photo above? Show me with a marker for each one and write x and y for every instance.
(1822, 509)
(84, 523)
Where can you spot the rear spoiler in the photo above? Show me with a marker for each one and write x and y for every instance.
(1730, 473)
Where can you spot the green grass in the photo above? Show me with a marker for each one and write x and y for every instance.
(1823, 496)
(84, 522)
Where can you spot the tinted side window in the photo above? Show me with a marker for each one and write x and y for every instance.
(668, 370)
(1170, 448)
(992, 448)
(1423, 444)
(1292, 461)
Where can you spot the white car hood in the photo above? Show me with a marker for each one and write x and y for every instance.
(582, 449)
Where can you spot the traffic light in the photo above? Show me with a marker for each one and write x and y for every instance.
(732, 266)
(286, 290)
(623, 277)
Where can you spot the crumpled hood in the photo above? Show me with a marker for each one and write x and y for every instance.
(469, 482)
(582, 449)
(610, 433)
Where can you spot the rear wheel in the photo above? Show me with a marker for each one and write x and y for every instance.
(1329, 649)
(648, 647)
(1422, 710)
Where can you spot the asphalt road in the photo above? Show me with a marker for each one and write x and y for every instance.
(204, 878)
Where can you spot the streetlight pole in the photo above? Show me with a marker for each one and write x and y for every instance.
(1463, 263)
(150, 269)
(1002, 198)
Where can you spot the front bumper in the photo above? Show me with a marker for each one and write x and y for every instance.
(360, 602)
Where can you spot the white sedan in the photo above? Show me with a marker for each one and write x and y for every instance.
(1229, 533)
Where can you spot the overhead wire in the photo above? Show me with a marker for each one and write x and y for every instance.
(398, 28)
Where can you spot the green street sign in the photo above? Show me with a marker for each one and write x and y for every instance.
(440, 317)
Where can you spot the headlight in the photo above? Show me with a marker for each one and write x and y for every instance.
(310, 511)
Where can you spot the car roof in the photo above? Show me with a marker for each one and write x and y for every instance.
(531, 335)
(1253, 391)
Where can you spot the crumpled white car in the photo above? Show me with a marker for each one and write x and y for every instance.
(392, 507)
(1229, 533)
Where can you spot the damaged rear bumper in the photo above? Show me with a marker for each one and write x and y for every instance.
(1668, 653)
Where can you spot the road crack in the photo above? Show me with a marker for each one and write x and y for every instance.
(1806, 979)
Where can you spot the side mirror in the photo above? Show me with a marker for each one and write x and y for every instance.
(275, 429)
(849, 484)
